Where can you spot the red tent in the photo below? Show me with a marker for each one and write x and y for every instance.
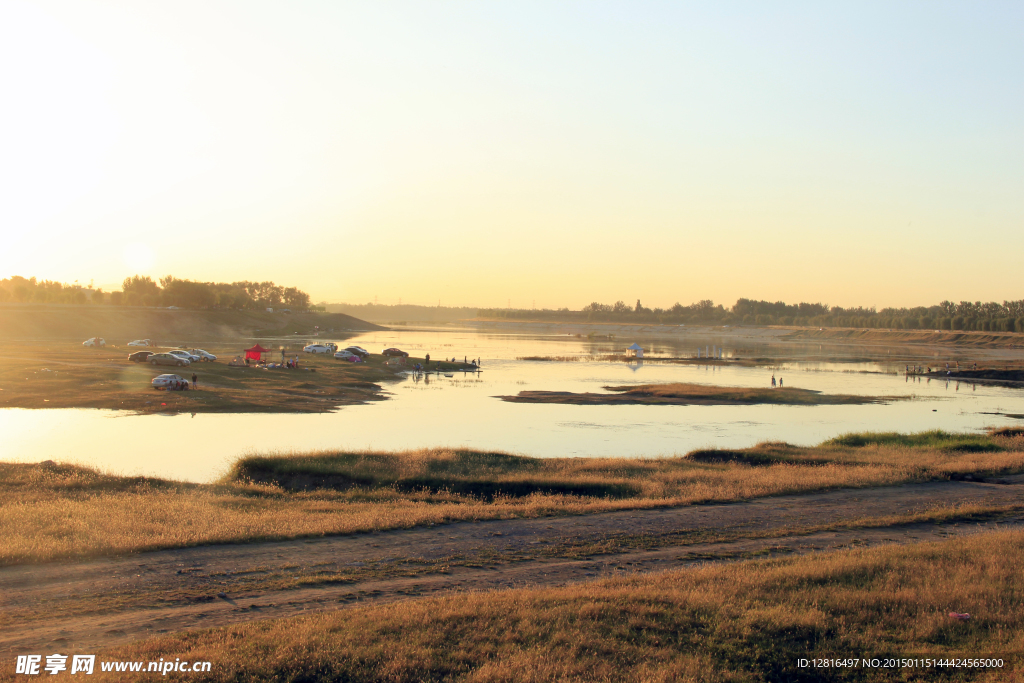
(255, 353)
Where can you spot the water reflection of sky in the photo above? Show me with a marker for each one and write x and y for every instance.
(440, 411)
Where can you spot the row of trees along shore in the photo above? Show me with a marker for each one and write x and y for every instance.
(139, 290)
(170, 291)
(966, 315)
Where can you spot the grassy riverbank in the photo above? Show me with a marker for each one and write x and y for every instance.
(62, 375)
(52, 511)
(748, 621)
(684, 394)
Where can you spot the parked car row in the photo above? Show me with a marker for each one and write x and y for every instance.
(185, 357)
(192, 355)
(181, 357)
(175, 357)
(364, 354)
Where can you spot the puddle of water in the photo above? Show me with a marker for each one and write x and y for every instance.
(435, 410)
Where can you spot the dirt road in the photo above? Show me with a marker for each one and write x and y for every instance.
(99, 603)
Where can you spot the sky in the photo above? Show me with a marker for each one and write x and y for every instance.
(519, 153)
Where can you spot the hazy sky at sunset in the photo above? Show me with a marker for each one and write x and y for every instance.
(557, 152)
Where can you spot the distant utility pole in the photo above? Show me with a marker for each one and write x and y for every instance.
(374, 299)
(399, 301)
(535, 304)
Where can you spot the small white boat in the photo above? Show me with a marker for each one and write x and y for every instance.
(448, 374)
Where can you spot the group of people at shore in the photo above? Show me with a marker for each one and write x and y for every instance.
(925, 369)
(773, 381)
(289, 363)
(465, 360)
(183, 385)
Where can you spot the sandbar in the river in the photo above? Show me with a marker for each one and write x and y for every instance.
(697, 394)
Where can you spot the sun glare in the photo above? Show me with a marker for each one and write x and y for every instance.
(138, 257)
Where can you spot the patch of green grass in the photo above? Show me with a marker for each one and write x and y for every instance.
(480, 474)
(935, 439)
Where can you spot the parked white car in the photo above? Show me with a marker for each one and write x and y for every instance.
(185, 355)
(203, 355)
(140, 342)
(316, 348)
(170, 382)
(95, 341)
(345, 354)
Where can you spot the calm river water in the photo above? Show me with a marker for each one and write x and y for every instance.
(462, 411)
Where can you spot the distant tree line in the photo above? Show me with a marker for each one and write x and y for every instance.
(1005, 317)
(140, 290)
(22, 289)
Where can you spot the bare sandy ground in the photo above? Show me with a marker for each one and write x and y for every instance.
(99, 603)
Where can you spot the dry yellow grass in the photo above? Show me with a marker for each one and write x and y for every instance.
(748, 621)
(52, 512)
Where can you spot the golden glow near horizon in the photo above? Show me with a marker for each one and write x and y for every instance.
(557, 153)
